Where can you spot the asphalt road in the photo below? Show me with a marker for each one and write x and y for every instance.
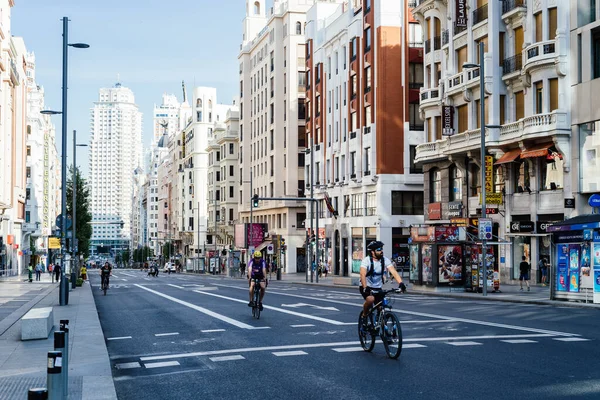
(190, 337)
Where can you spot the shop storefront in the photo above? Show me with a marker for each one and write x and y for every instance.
(576, 257)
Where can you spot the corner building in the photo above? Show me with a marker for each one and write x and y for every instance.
(527, 113)
(363, 75)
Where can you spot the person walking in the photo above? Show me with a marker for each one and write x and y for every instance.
(50, 268)
(543, 266)
(524, 269)
(38, 271)
(30, 269)
(57, 268)
(84, 272)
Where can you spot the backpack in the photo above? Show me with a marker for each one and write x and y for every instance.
(371, 271)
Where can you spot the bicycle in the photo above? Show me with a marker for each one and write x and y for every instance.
(386, 324)
(256, 299)
(104, 284)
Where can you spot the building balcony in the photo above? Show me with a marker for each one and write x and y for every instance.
(512, 65)
(429, 96)
(467, 78)
(540, 54)
(513, 8)
(533, 127)
(480, 14)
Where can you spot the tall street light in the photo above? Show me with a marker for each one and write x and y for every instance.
(481, 67)
(63, 293)
(75, 243)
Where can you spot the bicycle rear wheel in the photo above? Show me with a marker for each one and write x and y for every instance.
(367, 338)
(104, 286)
(391, 335)
(256, 308)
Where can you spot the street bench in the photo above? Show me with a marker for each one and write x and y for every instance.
(37, 323)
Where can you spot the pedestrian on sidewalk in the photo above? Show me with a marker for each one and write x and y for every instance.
(524, 269)
(30, 269)
(50, 269)
(56, 269)
(84, 272)
(38, 271)
(543, 266)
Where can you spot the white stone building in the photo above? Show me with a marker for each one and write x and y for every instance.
(115, 153)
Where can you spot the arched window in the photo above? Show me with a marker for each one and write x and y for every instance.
(298, 28)
(256, 8)
(199, 102)
(456, 183)
(435, 186)
(210, 104)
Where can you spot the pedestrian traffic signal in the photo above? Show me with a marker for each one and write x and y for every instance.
(255, 200)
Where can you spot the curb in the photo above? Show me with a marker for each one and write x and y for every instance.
(16, 315)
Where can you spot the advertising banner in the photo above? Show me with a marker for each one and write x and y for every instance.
(461, 13)
(562, 261)
(587, 281)
(450, 264)
(427, 266)
(414, 263)
(574, 268)
(256, 234)
(449, 234)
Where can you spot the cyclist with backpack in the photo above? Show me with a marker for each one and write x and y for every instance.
(372, 275)
(257, 269)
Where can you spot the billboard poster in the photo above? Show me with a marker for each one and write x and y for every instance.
(414, 263)
(256, 234)
(574, 268)
(586, 267)
(596, 254)
(596, 280)
(450, 264)
(240, 236)
(562, 271)
(427, 266)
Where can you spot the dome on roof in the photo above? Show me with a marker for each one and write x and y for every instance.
(164, 141)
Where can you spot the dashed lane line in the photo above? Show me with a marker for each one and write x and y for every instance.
(227, 358)
(212, 330)
(302, 326)
(468, 343)
(162, 364)
(203, 310)
(128, 365)
(519, 341)
(290, 353)
(175, 286)
(347, 349)
(119, 338)
(166, 334)
(572, 339)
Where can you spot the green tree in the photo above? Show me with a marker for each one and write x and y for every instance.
(168, 249)
(126, 256)
(84, 217)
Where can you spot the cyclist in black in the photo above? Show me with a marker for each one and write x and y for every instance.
(372, 274)
(257, 268)
(105, 272)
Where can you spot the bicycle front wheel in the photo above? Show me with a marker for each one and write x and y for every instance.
(367, 338)
(391, 334)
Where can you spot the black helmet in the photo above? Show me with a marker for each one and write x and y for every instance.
(374, 245)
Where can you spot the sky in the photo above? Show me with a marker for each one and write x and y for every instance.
(151, 45)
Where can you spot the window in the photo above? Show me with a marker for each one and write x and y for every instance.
(353, 164)
(198, 116)
(407, 203)
(414, 168)
(435, 186)
(371, 203)
(367, 157)
(499, 179)
(353, 44)
(367, 79)
(595, 54)
(28, 172)
(552, 23)
(368, 115)
(367, 39)
(298, 28)
(456, 184)
(553, 83)
(231, 148)
(353, 88)
(519, 105)
(357, 205)
(475, 179)
(539, 97)
(463, 118)
(521, 180)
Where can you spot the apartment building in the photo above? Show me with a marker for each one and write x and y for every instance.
(362, 73)
(272, 135)
(223, 185)
(528, 162)
(115, 153)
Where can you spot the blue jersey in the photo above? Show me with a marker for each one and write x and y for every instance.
(256, 268)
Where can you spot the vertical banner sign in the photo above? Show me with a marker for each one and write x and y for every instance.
(448, 122)
(489, 174)
(461, 13)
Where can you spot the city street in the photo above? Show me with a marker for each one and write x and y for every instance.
(185, 337)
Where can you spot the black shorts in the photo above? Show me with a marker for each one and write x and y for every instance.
(524, 277)
(368, 292)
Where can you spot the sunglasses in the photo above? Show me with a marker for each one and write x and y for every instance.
(379, 249)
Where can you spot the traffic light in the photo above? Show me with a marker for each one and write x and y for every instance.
(281, 242)
(255, 201)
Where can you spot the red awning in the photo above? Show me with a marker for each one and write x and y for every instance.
(538, 150)
(509, 156)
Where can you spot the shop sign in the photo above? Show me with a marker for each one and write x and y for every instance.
(462, 222)
(521, 226)
(434, 210)
(455, 209)
(422, 233)
(449, 234)
(542, 226)
(569, 203)
(448, 122)
(489, 175)
(594, 200)
(461, 13)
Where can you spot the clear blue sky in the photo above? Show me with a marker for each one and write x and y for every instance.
(153, 45)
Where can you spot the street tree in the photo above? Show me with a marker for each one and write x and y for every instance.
(84, 216)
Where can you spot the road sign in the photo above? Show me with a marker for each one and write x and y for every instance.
(485, 228)
(270, 249)
(69, 222)
(53, 243)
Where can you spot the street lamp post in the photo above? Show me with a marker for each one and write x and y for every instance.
(63, 292)
(74, 242)
(481, 67)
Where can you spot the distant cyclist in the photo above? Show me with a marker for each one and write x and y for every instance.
(257, 269)
(372, 275)
(105, 272)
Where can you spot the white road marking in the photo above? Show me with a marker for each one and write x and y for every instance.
(412, 346)
(119, 338)
(128, 365)
(572, 339)
(301, 326)
(468, 343)
(201, 309)
(131, 275)
(427, 321)
(115, 277)
(162, 364)
(333, 344)
(175, 286)
(166, 334)
(309, 305)
(289, 353)
(212, 330)
(519, 341)
(326, 320)
(227, 358)
(348, 349)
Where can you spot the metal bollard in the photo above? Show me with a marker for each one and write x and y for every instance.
(60, 344)
(54, 378)
(73, 280)
(64, 326)
(37, 394)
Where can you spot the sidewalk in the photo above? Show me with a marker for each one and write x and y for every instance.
(23, 363)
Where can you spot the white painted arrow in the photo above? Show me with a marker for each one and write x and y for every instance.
(297, 305)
